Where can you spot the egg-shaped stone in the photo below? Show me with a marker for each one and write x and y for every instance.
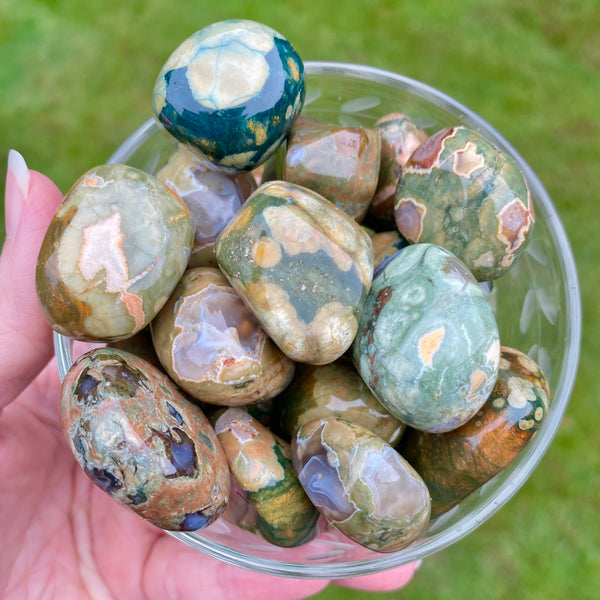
(212, 198)
(261, 463)
(113, 253)
(335, 390)
(231, 91)
(360, 484)
(456, 463)
(339, 163)
(213, 348)
(140, 441)
(427, 343)
(302, 265)
(461, 192)
(400, 137)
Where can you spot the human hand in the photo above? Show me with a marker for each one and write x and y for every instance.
(62, 537)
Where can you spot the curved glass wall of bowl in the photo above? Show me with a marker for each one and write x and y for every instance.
(537, 305)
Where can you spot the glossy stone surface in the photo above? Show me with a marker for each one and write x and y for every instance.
(456, 463)
(141, 442)
(360, 484)
(461, 192)
(231, 91)
(335, 390)
(261, 464)
(212, 346)
(212, 198)
(113, 252)
(303, 266)
(386, 244)
(400, 137)
(427, 343)
(339, 163)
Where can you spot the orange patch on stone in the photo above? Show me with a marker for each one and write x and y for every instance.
(429, 345)
(477, 379)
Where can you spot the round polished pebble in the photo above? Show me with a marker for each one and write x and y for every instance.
(427, 343)
(261, 464)
(360, 484)
(400, 137)
(456, 463)
(461, 192)
(303, 267)
(335, 390)
(231, 91)
(339, 163)
(212, 198)
(113, 253)
(141, 442)
(386, 244)
(212, 346)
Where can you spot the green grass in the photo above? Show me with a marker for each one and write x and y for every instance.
(76, 78)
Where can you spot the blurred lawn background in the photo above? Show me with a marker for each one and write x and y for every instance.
(76, 78)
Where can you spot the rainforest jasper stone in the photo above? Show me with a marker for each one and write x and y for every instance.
(212, 346)
(231, 91)
(456, 463)
(261, 464)
(335, 390)
(386, 244)
(113, 252)
(461, 192)
(427, 343)
(141, 442)
(211, 197)
(340, 164)
(400, 137)
(360, 484)
(303, 266)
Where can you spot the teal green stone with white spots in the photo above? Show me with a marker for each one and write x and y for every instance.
(427, 342)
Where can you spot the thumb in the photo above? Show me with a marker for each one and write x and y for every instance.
(25, 336)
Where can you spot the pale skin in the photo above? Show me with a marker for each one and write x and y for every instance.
(61, 536)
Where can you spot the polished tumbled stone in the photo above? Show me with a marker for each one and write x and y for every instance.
(231, 91)
(113, 253)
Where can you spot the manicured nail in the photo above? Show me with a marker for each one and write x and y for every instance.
(16, 191)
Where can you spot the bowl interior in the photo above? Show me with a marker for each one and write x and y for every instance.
(537, 306)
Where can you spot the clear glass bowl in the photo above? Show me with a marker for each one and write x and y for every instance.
(537, 305)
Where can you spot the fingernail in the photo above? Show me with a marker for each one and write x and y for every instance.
(16, 191)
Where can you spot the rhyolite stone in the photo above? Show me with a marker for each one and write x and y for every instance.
(231, 91)
(261, 463)
(339, 163)
(360, 484)
(303, 266)
(427, 343)
(211, 345)
(335, 390)
(386, 244)
(399, 137)
(113, 252)
(458, 462)
(212, 198)
(141, 442)
(461, 192)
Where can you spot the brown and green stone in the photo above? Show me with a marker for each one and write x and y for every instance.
(386, 244)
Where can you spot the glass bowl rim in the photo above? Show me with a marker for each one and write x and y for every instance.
(539, 444)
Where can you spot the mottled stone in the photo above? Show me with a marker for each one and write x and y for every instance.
(303, 266)
(113, 252)
(339, 163)
(335, 390)
(386, 244)
(428, 344)
(141, 442)
(461, 192)
(400, 137)
(212, 198)
(231, 91)
(360, 484)
(212, 347)
(456, 463)
(261, 464)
